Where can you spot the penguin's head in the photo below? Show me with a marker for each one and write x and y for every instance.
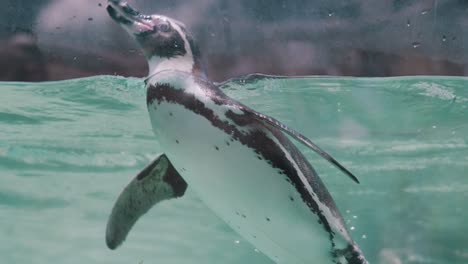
(161, 38)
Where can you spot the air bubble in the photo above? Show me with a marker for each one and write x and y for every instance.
(425, 11)
(416, 44)
(364, 236)
(352, 228)
(237, 241)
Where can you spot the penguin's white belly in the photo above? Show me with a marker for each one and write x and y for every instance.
(245, 191)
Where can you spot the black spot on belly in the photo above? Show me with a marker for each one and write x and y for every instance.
(177, 141)
(268, 219)
(216, 147)
(170, 113)
(291, 198)
(227, 143)
(243, 216)
(259, 157)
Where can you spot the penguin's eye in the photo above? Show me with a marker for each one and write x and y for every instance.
(164, 27)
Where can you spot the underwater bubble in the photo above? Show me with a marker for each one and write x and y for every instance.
(237, 241)
(352, 228)
(416, 44)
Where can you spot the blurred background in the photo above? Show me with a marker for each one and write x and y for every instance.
(60, 39)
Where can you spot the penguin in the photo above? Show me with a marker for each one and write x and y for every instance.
(240, 162)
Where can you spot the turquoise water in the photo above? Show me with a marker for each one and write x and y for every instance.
(68, 148)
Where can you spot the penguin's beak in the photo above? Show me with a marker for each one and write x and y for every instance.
(129, 18)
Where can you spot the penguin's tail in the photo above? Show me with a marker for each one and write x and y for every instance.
(352, 254)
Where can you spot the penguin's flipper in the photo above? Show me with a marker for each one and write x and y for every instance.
(299, 137)
(157, 182)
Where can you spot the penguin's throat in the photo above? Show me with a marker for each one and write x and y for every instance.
(183, 64)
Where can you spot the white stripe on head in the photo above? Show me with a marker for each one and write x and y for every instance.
(183, 63)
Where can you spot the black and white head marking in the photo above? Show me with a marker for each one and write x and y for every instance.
(165, 41)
